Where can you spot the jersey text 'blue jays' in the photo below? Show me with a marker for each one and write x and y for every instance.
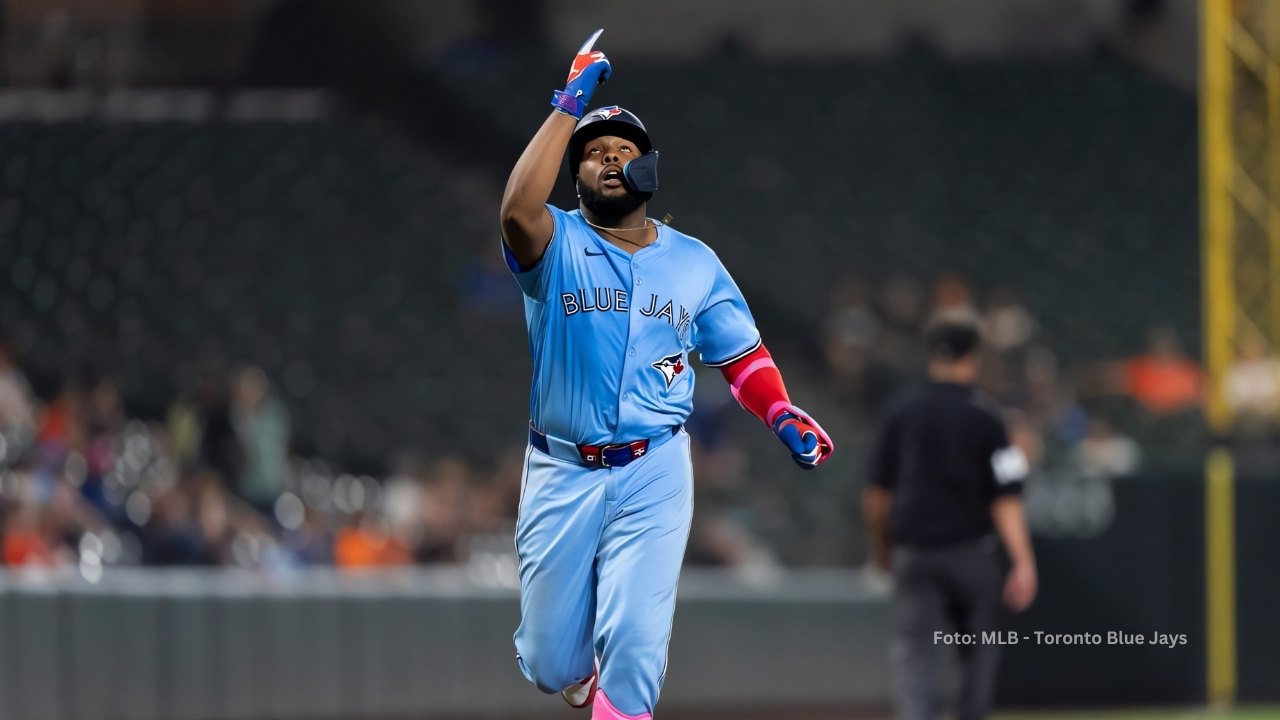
(606, 299)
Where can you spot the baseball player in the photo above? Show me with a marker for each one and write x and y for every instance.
(615, 303)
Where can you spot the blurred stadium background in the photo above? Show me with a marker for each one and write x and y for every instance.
(263, 374)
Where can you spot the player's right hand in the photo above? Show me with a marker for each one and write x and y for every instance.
(590, 68)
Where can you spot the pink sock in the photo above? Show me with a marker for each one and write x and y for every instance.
(604, 710)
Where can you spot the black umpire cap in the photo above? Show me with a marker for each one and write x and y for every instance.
(952, 336)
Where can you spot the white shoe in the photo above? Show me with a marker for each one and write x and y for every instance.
(582, 694)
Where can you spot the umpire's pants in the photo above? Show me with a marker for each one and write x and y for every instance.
(953, 588)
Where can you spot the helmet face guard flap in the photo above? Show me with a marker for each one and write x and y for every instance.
(640, 175)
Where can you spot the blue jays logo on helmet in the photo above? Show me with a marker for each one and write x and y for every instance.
(607, 112)
(670, 366)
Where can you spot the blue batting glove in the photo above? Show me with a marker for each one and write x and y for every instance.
(590, 68)
(809, 444)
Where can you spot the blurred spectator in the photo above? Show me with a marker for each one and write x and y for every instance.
(183, 422)
(212, 515)
(262, 428)
(952, 296)
(173, 534)
(851, 326)
(403, 497)
(720, 539)
(507, 477)
(105, 413)
(997, 377)
(206, 411)
(1024, 435)
(1164, 380)
(719, 535)
(17, 407)
(897, 358)
(1043, 396)
(311, 542)
(365, 542)
(1106, 454)
(1252, 385)
(29, 538)
(902, 308)
(105, 420)
(44, 516)
(61, 425)
(850, 332)
(443, 510)
(495, 496)
(1007, 325)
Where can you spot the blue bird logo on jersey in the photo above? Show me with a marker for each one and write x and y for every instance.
(670, 367)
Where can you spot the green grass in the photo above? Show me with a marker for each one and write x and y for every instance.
(1255, 713)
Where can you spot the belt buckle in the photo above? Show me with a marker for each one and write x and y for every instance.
(604, 454)
(633, 453)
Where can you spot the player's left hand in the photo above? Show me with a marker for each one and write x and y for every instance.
(809, 444)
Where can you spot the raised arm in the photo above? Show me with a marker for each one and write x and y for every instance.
(526, 223)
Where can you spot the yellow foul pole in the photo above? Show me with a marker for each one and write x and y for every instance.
(1217, 177)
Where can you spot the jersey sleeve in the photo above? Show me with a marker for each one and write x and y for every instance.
(723, 330)
(1006, 464)
(535, 280)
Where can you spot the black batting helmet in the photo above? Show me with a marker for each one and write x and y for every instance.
(608, 120)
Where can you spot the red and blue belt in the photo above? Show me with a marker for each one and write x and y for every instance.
(613, 455)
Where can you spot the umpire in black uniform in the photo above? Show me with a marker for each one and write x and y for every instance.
(944, 509)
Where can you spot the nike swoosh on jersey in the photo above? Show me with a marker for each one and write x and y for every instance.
(592, 254)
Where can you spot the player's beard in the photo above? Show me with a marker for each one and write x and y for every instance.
(608, 209)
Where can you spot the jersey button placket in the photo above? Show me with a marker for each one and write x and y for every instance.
(628, 366)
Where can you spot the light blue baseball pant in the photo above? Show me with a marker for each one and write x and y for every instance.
(600, 554)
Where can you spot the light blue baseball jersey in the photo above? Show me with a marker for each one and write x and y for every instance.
(611, 332)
